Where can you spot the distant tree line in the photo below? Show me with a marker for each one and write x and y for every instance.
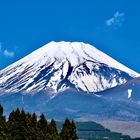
(25, 126)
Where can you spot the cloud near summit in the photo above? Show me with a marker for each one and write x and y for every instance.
(6, 52)
(116, 21)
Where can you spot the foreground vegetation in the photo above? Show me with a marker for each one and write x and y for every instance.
(25, 126)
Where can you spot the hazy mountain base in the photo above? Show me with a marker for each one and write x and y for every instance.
(74, 104)
(126, 128)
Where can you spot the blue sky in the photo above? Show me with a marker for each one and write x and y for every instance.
(113, 26)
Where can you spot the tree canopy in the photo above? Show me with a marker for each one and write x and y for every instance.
(25, 126)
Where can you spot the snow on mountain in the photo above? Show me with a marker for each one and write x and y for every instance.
(61, 65)
(129, 93)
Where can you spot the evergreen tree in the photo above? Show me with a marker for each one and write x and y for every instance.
(1, 110)
(53, 130)
(65, 133)
(42, 128)
(11, 117)
(17, 125)
(32, 125)
(3, 125)
(42, 124)
(33, 120)
(68, 131)
(73, 131)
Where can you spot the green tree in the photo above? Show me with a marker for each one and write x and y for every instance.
(32, 126)
(3, 125)
(43, 128)
(17, 125)
(1, 110)
(68, 131)
(65, 133)
(73, 131)
(53, 130)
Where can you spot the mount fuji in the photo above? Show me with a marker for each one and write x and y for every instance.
(58, 66)
(71, 79)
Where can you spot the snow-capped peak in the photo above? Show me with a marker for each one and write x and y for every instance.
(76, 53)
(59, 65)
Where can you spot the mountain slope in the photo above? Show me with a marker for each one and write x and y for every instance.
(62, 65)
(123, 92)
(77, 105)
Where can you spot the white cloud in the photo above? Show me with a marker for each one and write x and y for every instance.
(8, 53)
(116, 21)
